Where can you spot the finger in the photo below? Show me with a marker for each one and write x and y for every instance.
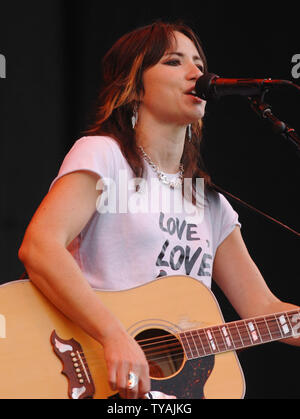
(132, 385)
(122, 380)
(144, 386)
(112, 377)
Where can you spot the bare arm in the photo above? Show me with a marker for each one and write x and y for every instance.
(242, 283)
(63, 213)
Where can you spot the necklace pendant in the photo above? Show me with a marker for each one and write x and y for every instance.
(164, 181)
(177, 183)
(161, 176)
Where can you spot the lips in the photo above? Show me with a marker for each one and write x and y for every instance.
(191, 92)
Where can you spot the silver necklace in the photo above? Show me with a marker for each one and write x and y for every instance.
(176, 183)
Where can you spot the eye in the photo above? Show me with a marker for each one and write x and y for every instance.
(200, 66)
(173, 62)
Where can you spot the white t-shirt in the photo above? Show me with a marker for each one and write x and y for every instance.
(134, 237)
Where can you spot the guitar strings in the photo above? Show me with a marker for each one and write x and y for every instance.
(165, 358)
(236, 339)
(179, 354)
(269, 321)
(165, 350)
(234, 327)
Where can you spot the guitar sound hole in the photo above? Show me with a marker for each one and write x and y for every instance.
(163, 351)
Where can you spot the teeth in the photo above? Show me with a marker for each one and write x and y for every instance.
(192, 92)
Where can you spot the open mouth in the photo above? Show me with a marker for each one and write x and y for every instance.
(192, 93)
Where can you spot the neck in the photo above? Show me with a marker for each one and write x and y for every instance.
(164, 144)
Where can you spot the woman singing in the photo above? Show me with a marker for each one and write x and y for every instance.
(118, 215)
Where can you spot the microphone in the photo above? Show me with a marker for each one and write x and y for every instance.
(210, 86)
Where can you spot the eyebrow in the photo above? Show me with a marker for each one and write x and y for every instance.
(180, 54)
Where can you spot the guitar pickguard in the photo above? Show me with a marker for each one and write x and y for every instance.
(189, 382)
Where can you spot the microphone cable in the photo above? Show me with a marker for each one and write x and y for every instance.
(248, 206)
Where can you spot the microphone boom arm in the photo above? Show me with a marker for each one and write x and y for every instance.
(279, 127)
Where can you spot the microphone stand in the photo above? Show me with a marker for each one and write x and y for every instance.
(279, 127)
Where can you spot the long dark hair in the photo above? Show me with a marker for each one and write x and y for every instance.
(123, 68)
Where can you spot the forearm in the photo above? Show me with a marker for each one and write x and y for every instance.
(54, 271)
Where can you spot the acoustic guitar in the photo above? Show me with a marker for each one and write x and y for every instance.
(176, 320)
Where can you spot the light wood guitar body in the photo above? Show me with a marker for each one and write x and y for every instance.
(175, 319)
(31, 369)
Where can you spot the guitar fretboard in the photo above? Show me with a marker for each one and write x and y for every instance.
(240, 334)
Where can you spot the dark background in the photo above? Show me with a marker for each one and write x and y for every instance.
(53, 51)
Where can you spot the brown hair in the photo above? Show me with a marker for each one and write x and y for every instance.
(123, 68)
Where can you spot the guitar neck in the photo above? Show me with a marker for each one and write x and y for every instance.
(240, 334)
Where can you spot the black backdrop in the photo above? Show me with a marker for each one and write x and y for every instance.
(53, 51)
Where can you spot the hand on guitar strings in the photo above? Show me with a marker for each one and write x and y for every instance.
(128, 369)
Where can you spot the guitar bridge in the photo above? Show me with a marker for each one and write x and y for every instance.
(75, 367)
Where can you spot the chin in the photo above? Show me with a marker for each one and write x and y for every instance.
(199, 112)
(195, 118)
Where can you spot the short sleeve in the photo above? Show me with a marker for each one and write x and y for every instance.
(95, 154)
(224, 218)
(229, 218)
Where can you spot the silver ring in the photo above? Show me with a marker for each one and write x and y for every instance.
(132, 380)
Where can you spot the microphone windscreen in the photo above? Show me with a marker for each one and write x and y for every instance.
(203, 86)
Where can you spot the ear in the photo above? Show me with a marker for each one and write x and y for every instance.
(137, 96)
(139, 91)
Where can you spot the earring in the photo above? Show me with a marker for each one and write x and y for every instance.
(189, 133)
(135, 117)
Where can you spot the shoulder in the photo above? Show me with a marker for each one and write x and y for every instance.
(214, 199)
(97, 154)
(217, 202)
(97, 143)
(223, 215)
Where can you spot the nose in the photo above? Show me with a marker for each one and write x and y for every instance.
(194, 72)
